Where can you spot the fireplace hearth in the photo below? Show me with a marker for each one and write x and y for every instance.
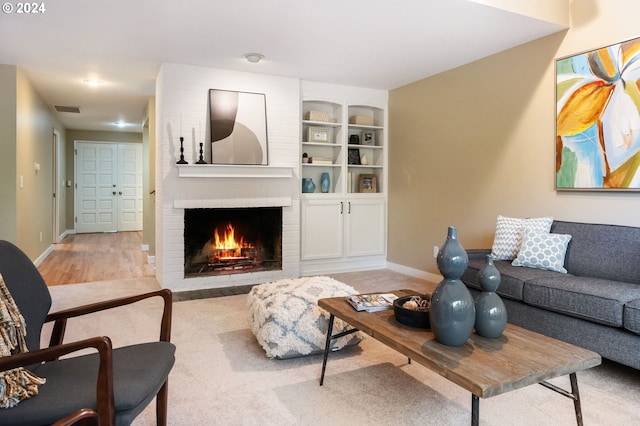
(222, 241)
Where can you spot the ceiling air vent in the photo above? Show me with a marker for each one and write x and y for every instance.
(62, 108)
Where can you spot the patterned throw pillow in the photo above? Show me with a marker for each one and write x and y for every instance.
(506, 242)
(543, 251)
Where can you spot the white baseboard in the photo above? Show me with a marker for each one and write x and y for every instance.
(338, 265)
(43, 256)
(423, 275)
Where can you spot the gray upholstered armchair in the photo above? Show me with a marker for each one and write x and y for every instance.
(118, 383)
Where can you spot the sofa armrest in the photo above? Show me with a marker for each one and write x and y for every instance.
(478, 254)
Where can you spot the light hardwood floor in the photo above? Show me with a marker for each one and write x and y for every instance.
(83, 258)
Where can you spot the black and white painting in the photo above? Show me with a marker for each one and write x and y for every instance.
(238, 127)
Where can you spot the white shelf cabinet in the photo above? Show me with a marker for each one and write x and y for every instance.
(344, 228)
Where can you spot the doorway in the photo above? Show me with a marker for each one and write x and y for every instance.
(58, 189)
(108, 186)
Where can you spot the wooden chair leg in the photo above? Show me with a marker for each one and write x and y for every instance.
(161, 404)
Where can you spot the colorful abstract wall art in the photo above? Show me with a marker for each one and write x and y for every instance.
(598, 119)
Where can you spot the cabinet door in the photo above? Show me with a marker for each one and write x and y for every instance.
(322, 225)
(365, 227)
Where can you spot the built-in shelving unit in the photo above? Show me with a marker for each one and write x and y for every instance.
(344, 227)
(348, 152)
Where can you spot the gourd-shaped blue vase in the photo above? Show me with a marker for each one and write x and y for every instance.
(308, 185)
(325, 182)
(452, 313)
(491, 314)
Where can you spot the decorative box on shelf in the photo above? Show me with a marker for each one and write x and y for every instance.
(363, 120)
(322, 116)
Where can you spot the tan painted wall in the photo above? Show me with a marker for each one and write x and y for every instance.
(478, 141)
(34, 145)
(556, 11)
(8, 185)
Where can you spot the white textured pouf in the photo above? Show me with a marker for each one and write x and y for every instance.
(286, 320)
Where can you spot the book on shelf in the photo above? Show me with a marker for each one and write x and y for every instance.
(372, 302)
(321, 160)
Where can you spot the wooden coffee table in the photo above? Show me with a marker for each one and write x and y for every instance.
(484, 366)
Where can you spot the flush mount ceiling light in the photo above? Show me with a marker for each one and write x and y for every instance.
(254, 58)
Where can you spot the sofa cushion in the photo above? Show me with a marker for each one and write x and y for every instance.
(512, 278)
(631, 319)
(602, 251)
(593, 299)
(508, 236)
(542, 250)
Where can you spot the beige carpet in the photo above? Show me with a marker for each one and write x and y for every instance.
(222, 376)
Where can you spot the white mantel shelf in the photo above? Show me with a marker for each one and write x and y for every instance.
(233, 171)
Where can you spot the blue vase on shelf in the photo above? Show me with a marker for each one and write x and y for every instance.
(452, 313)
(307, 185)
(325, 182)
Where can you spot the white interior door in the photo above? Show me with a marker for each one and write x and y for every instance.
(109, 187)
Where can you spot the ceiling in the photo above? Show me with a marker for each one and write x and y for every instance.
(369, 43)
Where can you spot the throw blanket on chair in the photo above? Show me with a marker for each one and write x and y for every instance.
(19, 383)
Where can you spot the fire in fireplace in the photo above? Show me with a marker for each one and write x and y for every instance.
(232, 240)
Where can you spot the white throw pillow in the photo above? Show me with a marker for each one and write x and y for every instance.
(508, 237)
(543, 251)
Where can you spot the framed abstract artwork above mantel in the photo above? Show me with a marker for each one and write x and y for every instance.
(238, 123)
(598, 119)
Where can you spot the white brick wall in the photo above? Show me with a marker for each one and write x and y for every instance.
(182, 110)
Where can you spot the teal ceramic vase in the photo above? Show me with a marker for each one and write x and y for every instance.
(308, 185)
(491, 314)
(452, 313)
(325, 182)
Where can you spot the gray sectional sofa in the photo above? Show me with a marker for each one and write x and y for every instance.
(595, 305)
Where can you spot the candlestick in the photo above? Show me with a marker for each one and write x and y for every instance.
(182, 160)
(201, 160)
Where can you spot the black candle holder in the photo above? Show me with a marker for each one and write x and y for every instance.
(201, 160)
(182, 160)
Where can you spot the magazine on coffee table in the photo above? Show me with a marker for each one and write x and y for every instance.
(372, 302)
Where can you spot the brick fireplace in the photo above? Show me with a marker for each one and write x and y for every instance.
(181, 109)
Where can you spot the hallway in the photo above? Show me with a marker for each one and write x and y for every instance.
(83, 258)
